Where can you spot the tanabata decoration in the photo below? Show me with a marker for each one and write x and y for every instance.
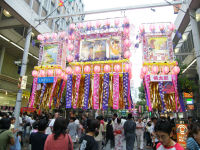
(160, 71)
(98, 71)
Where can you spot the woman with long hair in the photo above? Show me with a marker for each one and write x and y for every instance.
(118, 132)
(193, 141)
(59, 139)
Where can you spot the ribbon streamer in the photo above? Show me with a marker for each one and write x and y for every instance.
(147, 83)
(69, 92)
(33, 91)
(52, 91)
(106, 90)
(78, 80)
(125, 87)
(174, 80)
(96, 91)
(160, 88)
(86, 91)
(129, 95)
(116, 91)
(42, 92)
(181, 102)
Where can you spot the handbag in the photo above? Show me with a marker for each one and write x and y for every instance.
(69, 143)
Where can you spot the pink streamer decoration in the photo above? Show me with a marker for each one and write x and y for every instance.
(147, 82)
(33, 91)
(51, 96)
(116, 91)
(129, 96)
(62, 89)
(78, 79)
(96, 91)
(174, 80)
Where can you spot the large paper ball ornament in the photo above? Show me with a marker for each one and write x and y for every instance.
(87, 69)
(97, 69)
(155, 69)
(35, 73)
(117, 68)
(70, 58)
(127, 43)
(68, 70)
(54, 36)
(141, 28)
(62, 34)
(40, 37)
(126, 21)
(89, 25)
(127, 54)
(161, 27)
(72, 37)
(50, 73)
(80, 25)
(107, 23)
(107, 68)
(171, 27)
(126, 31)
(58, 72)
(165, 69)
(176, 70)
(117, 22)
(42, 73)
(72, 26)
(152, 28)
(127, 67)
(144, 70)
(77, 70)
(70, 46)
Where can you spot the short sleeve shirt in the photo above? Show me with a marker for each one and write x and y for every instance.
(88, 143)
(5, 137)
(175, 147)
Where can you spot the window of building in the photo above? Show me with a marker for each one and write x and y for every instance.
(44, 13)
(36, 5)
(50, 22)
(27, 1)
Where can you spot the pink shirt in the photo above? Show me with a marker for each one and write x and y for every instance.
(175, 147)
(61, 143)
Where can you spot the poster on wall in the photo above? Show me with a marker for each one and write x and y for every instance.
(114, 47)
(50, 53)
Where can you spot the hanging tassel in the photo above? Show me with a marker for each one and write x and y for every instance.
(33, 91)
(86, 91)
(106, 90)
(116, 91)
(69, 92)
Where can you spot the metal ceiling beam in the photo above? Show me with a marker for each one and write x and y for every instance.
(163, 4)
(183, 54)
(9, 23)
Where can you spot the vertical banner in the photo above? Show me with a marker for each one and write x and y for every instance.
(181, 102)
(129, 95)
(42, 92)
(160, 88)
(106, 90)
(116, 91)
(33, 91)
(182, 133)
(96, 91)
(86, 91)
(78, 80)
(147, 83)
(125, 88)
(52, 91)
(69, 92)
(174, 80)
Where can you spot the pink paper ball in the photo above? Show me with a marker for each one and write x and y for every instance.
(97, 69)
(142, 76)
(42, 73)
(107, 68)
(165, 69)
(50, 73)
(126, 31)
(141, 28)
(127, 67)
(89, 25)
(155, 69)
(58, 72)
(54, 36)
(70, 46)
(62, 34)
(152, 28)
(176, 70)
(77, 70)
(72, 26)
(35, 73)
(40, 37)
(144, 70)
(87, 69)
(126, 21)
(161, 27)
(71, 37)
(98, 24)
(171, 27)
(107, 23)
(80, 25)
(47, 36)
(68, 70)
(70, 58)
(127, 43)
(127, 54)
(117, 68)
(117, 22)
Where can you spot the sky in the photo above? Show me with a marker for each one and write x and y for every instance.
(136, 17)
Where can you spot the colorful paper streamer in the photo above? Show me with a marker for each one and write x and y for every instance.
(116, 91)
(105, 91)
(86, 91)
(78, 79)
(96, 91)
(69, 92)
(33, 91)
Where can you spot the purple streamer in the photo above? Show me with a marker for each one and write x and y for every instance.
(58, 92)
(106, 88)
(86, 91)
(42, 92)
(69, 92)
(181, 102)
(160, 87)
(146, 94)
(125, 89)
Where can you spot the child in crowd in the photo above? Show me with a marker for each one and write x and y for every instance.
(164, 133)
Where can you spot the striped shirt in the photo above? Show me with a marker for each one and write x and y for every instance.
(192, 144)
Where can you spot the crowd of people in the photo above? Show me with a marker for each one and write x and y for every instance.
(45, 132)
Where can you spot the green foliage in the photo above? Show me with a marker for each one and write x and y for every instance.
(142, 92)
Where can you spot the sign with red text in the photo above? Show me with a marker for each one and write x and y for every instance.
(182, 132)
(160, 78)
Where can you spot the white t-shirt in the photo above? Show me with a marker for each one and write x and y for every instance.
(140, 131)
(52, 122)
(48, 129)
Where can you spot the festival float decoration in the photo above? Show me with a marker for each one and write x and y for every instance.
(98, 72)
(159, 71)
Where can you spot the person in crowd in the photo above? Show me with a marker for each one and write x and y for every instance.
(114, 118)
(56, 115)
(148, 135)
(152, 132)
(6, 135)
(84, 122)
(12, 125)
(193, 140)
(118, 132)
(18, 139)
(59, 140)
(140, 134)
(73, 131)
(99, 138)
(164, 133)
(37, 139)
(129, 132)
(34, 127)
(109, 134)
(87, 141)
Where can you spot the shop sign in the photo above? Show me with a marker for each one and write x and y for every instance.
(189, 101)
(190, 107)
(182, 132)
(188, 95)
(161, 78)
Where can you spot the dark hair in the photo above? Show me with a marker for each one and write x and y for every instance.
(118, 120)
(59, 127)
(115, 115)
(42, 125)
(35, 125)
(72, 118)
(93, 125)
(109, 121)
(193, 129)
(19, 133)
(12, 118)
(129, 116)
(153, 118)
(5, 123)
(163, 126)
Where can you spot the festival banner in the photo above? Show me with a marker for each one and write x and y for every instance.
(161, 78)
(147, 83)
(86, 91)
(78, 79)
(125, 87)
(42, 92)
(116, 91)
(96, 91)
(174, 80)
(69, 91)
(52, 91)
(32, 99)
(106, 91)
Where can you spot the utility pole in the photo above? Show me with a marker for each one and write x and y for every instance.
(22, 73)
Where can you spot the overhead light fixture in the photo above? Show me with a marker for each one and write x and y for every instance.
(189, 65)
(3, 37)
(184, 37)
(6, 92)
(176, 50)
(197, 15)
(6, 13)
(32, 34)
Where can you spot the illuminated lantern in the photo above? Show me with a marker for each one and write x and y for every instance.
(117, 22)
(126, 21)
(176, 70)
(50, 73)
(70, 58)
(87, 69)
(70, 47)
(68, 70)
(35, 73)
(117, 68)
(165, 69)
(107, 68)
(77, 70)
(155, 69)
(97, 69)
(42, 73)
